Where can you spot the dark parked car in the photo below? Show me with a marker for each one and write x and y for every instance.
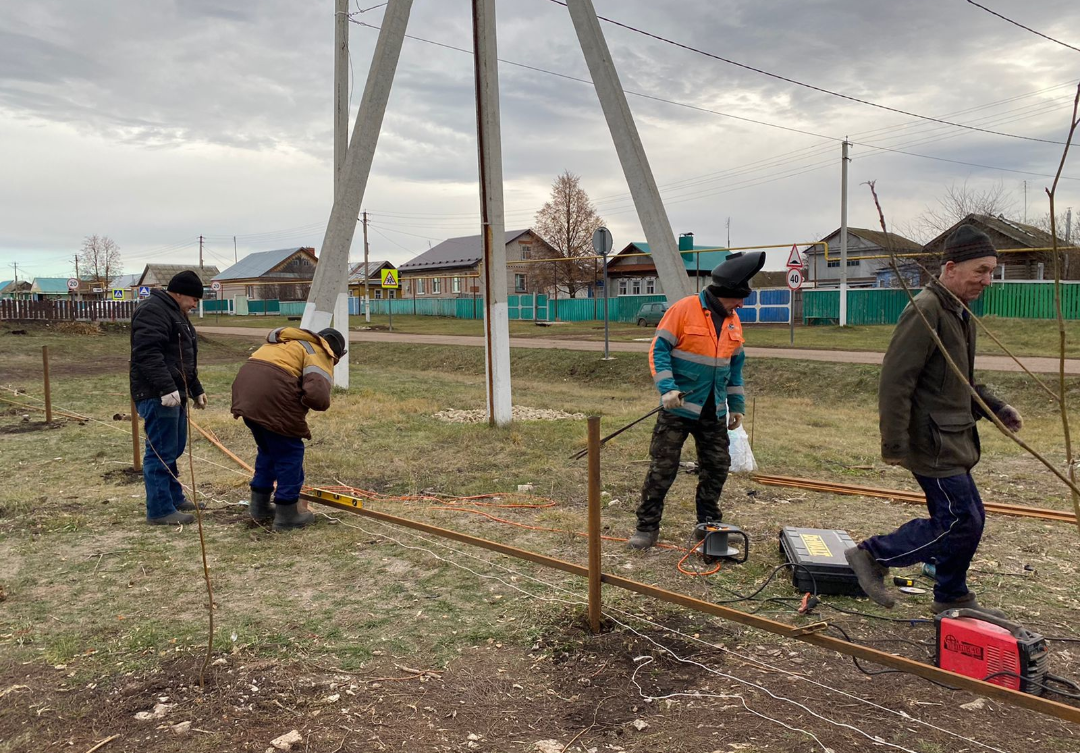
(650, 314)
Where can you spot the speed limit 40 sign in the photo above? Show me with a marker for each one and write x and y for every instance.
(794, 279)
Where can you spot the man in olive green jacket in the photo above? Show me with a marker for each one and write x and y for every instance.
(927, 419)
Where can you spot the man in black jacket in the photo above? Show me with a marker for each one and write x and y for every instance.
(164, 375)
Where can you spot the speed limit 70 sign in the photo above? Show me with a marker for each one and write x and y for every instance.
(794, 279)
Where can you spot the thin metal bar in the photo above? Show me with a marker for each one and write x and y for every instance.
(594, 524)
(48, 385)
(808, 634)
(582, 453)
(136, 456)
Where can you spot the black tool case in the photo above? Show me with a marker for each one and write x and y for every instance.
(820, 552)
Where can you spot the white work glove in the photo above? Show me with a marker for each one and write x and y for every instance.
(671, 399)
(734, 421)
(200, 401)
(172, 400)
(1011, 417)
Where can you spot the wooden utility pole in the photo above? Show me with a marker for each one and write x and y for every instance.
(594, 524)
(48, 386)
(136, 458)
(200, 252)
(367, 275)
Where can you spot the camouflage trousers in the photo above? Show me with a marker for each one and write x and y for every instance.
(669, 435)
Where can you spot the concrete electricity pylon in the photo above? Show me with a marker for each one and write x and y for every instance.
(341, 146)
(329, 287)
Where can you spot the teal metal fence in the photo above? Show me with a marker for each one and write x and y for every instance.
(1013, 300)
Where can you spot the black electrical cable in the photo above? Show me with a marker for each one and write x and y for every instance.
(768, 580)
(1047, 688)
(1025, 28)
(875, 672)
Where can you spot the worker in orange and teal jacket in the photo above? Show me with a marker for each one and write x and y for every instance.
(696, 360)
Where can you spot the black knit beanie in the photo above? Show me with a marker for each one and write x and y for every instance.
(337, 342)
(186, 283)
(967, 242)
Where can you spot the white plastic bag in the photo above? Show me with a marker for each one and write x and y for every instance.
(742, 457)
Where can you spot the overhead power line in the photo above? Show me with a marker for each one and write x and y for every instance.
(1025, 28)
(805, 85)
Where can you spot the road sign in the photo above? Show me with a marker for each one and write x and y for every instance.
(73, 283)
(794, 259)
(601, 241)
(144, 291)
(215, 286)
(390, 278)
(118, 294)
(794, 279)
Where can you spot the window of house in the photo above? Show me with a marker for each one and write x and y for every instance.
(455, 285)
(526, 250)
(834, 263)
(853, 262)
(421, 286)
(635, 286)
(391, 294)
(650, 285)
(378, 294)
(249, 291)
(622, 287)
(436, 285)
(520, 284)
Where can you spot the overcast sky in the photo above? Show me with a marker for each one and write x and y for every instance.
(155, 122)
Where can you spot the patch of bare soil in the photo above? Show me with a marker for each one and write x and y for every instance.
(123, 476)
(28, 426)
(614, 692)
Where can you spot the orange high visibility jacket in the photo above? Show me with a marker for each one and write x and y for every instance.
(688, 355)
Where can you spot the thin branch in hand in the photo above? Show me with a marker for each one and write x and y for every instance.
(1051, 194)
(952, 364)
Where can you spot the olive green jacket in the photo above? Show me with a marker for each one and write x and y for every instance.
(927, 414)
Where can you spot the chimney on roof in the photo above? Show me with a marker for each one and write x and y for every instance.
(686, 242)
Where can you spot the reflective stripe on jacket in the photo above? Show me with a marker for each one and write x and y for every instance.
(687, 355)
(283, 379)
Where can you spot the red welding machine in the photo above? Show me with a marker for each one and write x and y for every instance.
(989, 648)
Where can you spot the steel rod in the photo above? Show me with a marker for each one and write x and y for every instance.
(48, 385)
(810, 634)
(136, 456)
(594, 524)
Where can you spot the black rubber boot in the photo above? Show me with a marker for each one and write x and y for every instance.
(172, 519)
(967, 602)
(871, 576)
(287, 517)
(643, 540)
(259, 506)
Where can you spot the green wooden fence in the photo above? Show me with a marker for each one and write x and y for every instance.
(1014, 300)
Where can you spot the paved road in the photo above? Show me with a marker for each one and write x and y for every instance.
(990, 363)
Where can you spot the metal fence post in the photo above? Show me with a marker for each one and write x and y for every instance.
(594, 524)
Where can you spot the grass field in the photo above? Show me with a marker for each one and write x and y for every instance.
(104, 615)
(1026, 337)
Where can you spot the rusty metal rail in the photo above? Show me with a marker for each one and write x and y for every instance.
(808, 634)
(908, 497)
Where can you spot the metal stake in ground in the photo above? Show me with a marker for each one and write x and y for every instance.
(48, 387)
(594, 524)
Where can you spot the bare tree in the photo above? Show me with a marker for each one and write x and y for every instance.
(958, 202)
(567, 222)
(99, 259)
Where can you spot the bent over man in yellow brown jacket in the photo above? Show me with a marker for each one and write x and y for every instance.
(273, 392)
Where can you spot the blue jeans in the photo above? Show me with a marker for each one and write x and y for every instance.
(949, 537)
(280, 459)
(166, 437)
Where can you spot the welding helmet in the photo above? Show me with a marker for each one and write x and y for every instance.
(731, 277)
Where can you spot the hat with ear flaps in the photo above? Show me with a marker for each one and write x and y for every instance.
(731, 277)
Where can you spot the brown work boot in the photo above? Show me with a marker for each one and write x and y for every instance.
(643, 540)
(967, 602)
(871, 576)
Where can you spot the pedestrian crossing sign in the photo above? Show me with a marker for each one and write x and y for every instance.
(390, 278)
(118, 294)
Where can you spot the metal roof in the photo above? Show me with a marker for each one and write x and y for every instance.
(4, 284)
(877, 237)
(356, 273)
(126, 281)
(50, 285)
(258, 264)
(162, 273)
(710, 257)
(455, 252)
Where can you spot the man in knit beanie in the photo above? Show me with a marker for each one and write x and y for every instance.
(927, 418)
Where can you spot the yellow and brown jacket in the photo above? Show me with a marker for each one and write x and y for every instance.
(283, 379)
